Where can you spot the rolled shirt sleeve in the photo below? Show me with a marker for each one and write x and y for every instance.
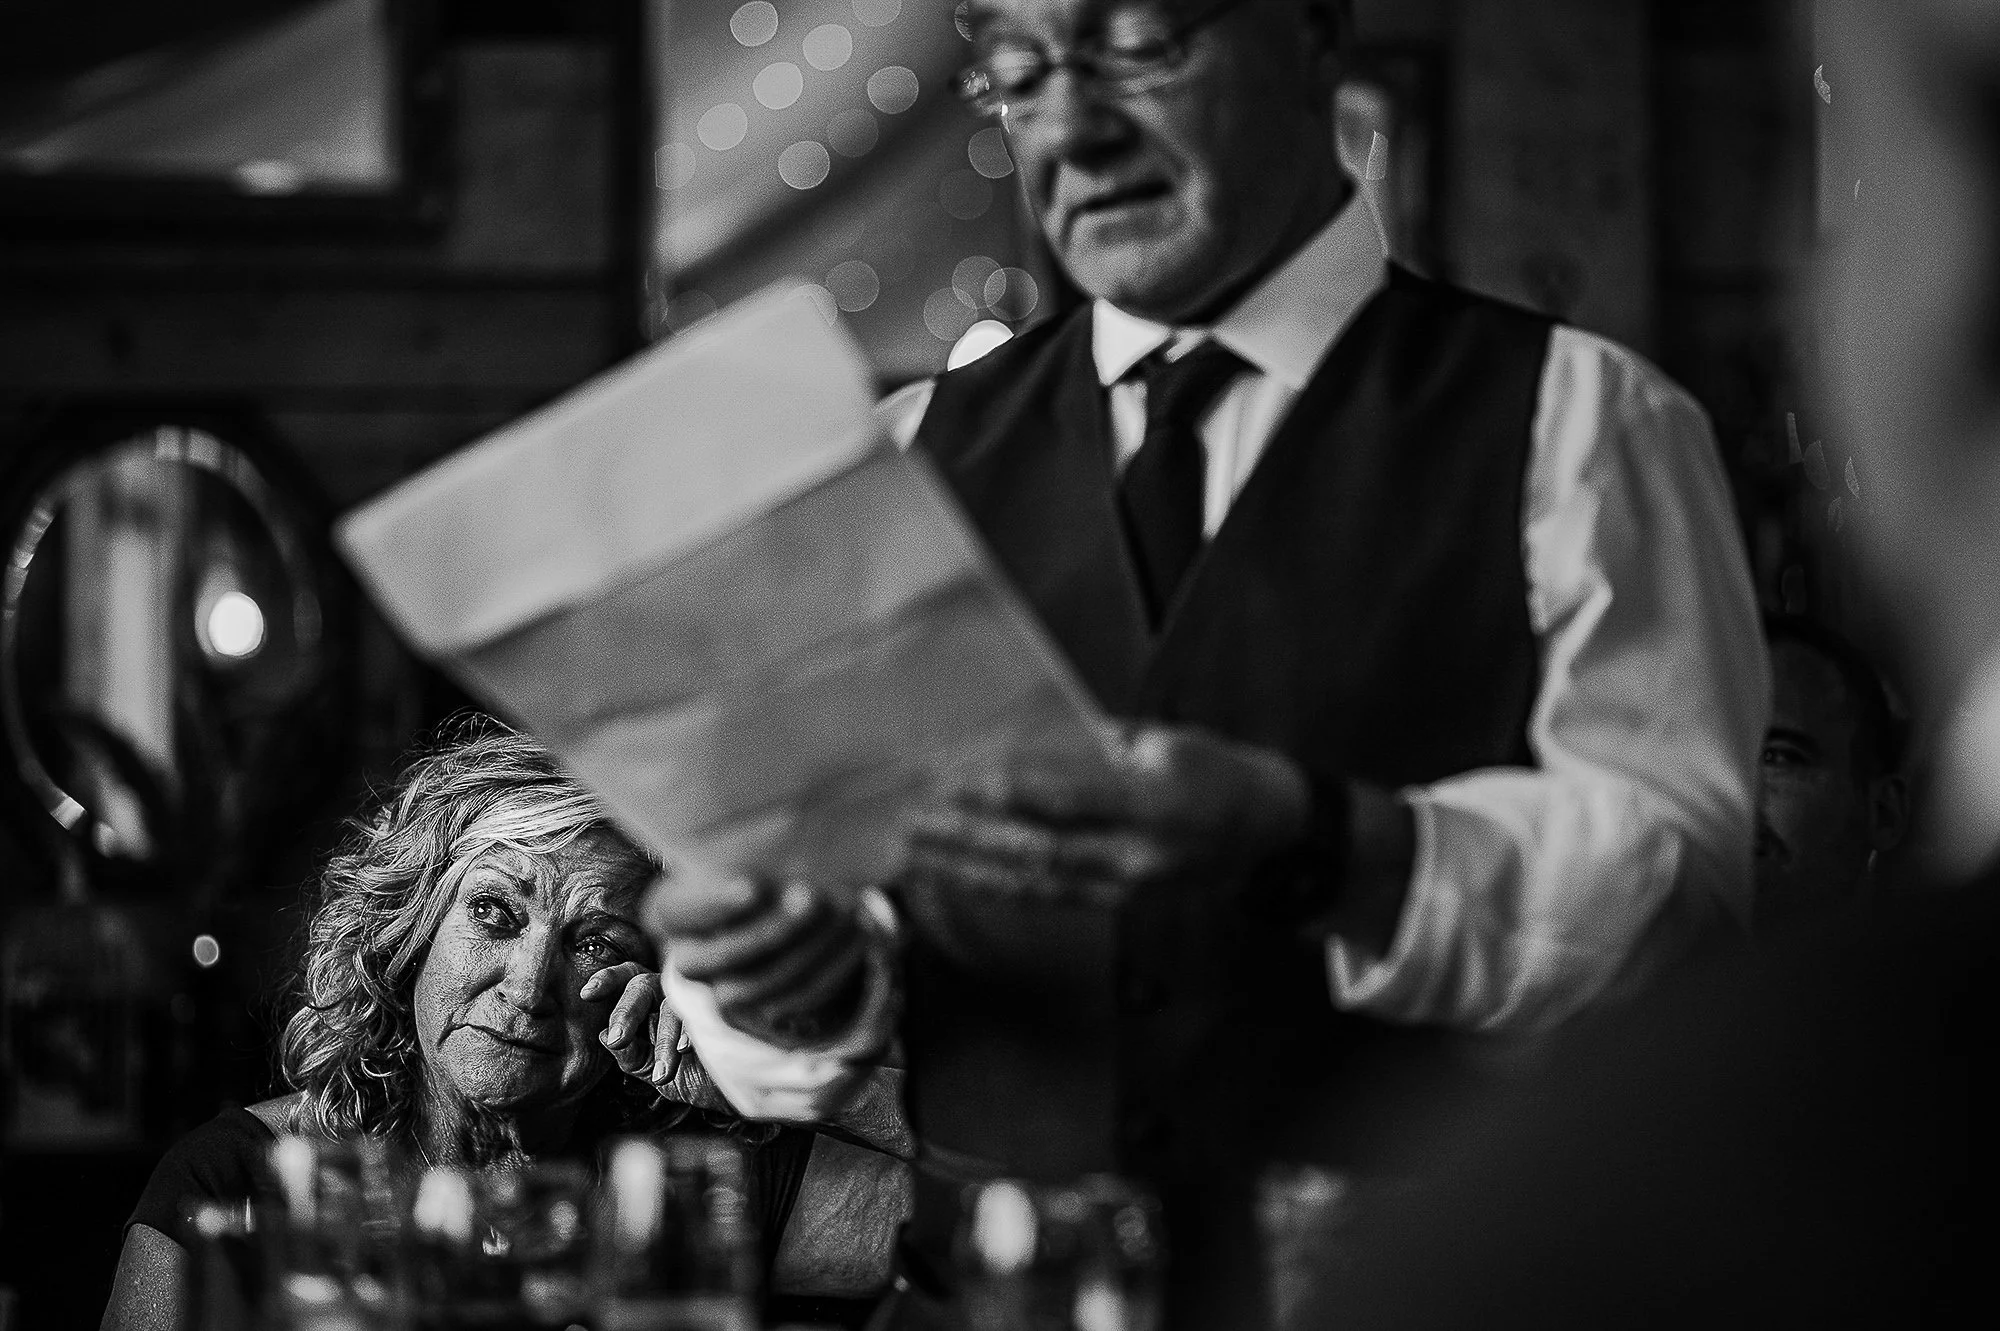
(1537, 891)
(762, 1080)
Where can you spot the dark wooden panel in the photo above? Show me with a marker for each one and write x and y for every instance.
(355, 454)
(518, 340)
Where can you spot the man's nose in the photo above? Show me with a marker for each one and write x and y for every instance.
(1071, 116)
(529, 983)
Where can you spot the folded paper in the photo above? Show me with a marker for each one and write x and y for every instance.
(757, 629)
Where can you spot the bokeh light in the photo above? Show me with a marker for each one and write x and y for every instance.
(270, 176)
(829, 46)
(946, 315)
(755, 23)
(966, 195)
(206, 950)
(892, 89)
(987, 151)
(235, 626)
(852, 133)
(969, 277)
(722, 127)
(877, 13)
(854, 284)
(779, 84)
(804, 164)
(1012, 293)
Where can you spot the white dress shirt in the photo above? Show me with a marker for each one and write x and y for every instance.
(1535, 891)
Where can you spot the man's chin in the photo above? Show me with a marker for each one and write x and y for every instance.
(1142, 274)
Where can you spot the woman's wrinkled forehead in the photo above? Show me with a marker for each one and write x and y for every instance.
(594, 867)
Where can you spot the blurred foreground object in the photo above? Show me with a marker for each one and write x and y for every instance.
(757, 630)
(1912, 291)
(1039, 1257)
(675, 1245)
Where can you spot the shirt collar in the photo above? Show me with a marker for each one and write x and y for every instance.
(1286, 323)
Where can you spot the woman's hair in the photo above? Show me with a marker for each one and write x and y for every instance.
(351, 1047)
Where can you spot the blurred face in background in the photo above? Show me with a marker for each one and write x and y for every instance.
(1170, 202)
(1823, 807)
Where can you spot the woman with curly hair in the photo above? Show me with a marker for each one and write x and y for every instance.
(477, 989)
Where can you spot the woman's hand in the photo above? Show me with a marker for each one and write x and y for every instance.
(642, 1034)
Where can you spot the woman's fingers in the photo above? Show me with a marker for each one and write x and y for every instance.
(666, 1048)
(627, 1034)
(690, 1085)
(608, 982)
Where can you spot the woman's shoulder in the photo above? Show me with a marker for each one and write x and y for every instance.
(219, 1161)
(276, 1113)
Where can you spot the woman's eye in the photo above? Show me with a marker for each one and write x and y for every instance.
(487, 911)
(597, 947)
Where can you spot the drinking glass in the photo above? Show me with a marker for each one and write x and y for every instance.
(1088, 1256)
(675, 1247)
(500, 1250)
(334, 1241)
(224, 1289)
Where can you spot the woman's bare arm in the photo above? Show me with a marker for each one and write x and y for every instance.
(146, 1294)
(841, 1237)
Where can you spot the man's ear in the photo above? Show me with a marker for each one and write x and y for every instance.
(1888, 811)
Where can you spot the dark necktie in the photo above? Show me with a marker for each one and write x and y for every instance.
(1160, 493)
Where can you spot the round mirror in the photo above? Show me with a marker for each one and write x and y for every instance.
(163, 645)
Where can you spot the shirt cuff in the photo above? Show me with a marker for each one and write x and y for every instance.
(1364, 981)
(762, 1080)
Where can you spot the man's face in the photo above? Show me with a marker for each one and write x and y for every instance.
(499, 1020)
(1814, 808)
(1171, 201)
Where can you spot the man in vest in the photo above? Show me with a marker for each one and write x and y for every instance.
(1429, 617)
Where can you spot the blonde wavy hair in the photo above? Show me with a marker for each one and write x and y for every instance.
(351, 1047)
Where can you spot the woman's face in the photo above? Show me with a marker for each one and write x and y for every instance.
(498, 1016)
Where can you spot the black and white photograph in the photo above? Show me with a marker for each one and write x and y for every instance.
(999, 665)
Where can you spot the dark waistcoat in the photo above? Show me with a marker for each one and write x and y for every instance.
(1363, 608)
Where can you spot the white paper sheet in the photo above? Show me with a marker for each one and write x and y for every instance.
(755, 627)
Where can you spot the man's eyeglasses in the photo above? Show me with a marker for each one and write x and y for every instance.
(1138, 50)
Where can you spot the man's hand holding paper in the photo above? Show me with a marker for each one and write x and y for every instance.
(1173, 802)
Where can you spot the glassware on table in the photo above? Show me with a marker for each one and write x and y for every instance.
(504, 1249)
(334, 1238)
(1307, 1226)
(541, 1217)
(1037, 1257)
(675, 1245)
(224, 1290)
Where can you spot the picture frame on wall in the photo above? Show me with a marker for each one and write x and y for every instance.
(253, 115)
